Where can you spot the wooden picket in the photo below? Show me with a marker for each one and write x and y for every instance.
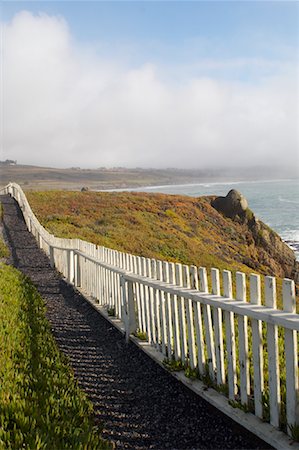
(291, 357)
(218, 326)
(273, 355)
(230, 338)
(257, 346)
(243, 340)
(201, 360)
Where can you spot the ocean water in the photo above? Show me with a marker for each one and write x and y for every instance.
(275, 202)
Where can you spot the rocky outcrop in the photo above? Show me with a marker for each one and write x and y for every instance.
(268, 249)
(233, 205)
(271, 248)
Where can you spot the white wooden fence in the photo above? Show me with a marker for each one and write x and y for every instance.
(241, 346)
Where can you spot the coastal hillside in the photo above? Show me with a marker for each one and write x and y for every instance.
(172, 227)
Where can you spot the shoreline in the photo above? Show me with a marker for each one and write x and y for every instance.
(182, 185)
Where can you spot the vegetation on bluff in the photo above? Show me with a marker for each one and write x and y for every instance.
(172, 227)
(41, 405)
(166, 227)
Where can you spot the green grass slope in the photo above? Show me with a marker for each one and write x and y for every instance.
(41, 405)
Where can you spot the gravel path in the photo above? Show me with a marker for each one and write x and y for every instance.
(140, 404)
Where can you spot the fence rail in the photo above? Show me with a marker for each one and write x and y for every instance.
(243, 348)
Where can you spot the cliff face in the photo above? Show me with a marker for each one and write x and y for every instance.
(272, 251)
(265, 246)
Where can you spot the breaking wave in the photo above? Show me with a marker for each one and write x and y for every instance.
(286, 200)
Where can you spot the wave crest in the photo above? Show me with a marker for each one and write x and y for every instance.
(286, 200)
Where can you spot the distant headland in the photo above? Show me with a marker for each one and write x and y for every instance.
(74, 178)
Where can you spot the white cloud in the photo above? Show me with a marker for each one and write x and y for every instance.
(65, 106)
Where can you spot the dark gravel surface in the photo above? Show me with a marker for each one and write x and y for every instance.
(140, 404)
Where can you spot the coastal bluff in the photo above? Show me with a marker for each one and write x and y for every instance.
(267, 246)
(175, 228)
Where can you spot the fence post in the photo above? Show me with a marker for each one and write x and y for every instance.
(291, 357)
(201, 359)
(230, 337)
(76, 269)
(243, 340)
(218, 326)
(257, 346)
(190, 320)
(208, 324)
(70, 263)
(181, 313)
(52, 261)
(273, 354)
(129, 307)
(174, 312)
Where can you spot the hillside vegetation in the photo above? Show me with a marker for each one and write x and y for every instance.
(172, 227)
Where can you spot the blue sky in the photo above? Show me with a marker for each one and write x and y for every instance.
(175, 32)
(206, 68)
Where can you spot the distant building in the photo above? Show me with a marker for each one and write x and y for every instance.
(8, 162)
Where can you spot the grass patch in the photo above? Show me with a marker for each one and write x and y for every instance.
(295, 432)
(174, 366)
(41, 405)
(4, 252)
(141, 335)
(111, 312)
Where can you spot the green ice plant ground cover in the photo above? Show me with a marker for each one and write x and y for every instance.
(41, 405)
(4, 253)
